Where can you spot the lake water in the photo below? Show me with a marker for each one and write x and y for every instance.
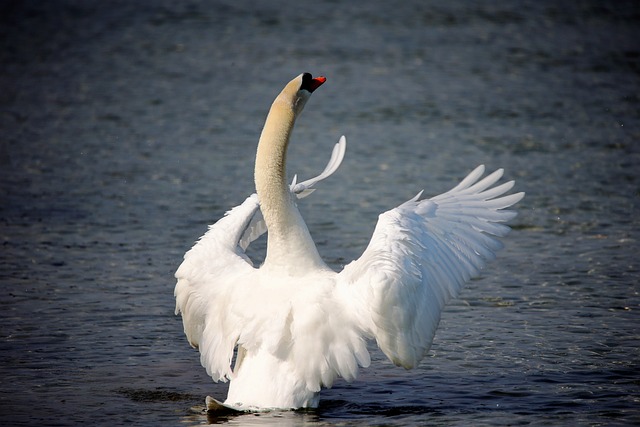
(127, 127)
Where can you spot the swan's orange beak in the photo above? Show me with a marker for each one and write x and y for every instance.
(316, 83)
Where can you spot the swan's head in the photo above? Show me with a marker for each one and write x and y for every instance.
(297, 91)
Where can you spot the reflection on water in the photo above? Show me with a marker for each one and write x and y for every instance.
(129, 126)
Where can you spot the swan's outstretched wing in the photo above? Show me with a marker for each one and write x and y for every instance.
(219, 256)
(420, 255)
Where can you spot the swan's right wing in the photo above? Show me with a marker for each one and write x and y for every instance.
(420, 255)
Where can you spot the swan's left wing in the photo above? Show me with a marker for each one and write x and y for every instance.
(210, 268)
(420, 255)
(303, 189)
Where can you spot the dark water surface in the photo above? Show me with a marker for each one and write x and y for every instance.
(126, 127)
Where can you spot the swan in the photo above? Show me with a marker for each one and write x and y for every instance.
(281, 331)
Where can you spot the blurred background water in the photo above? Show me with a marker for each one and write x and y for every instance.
(127, 127)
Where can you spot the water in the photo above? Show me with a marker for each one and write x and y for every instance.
(129, 126)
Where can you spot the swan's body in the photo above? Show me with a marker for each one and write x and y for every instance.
(296, 324)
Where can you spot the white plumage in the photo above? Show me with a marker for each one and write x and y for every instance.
(296, 324)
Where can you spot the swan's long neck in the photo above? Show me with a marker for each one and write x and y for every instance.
(289, 244)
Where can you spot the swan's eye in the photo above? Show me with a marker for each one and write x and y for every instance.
(306, 81)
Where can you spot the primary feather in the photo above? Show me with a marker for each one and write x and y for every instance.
(420, 255)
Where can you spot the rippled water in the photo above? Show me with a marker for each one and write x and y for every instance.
(128, 126)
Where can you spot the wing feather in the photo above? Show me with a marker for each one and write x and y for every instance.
(419, 257)
(203, 270)
(215, 265)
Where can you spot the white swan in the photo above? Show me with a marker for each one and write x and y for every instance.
(296, 324)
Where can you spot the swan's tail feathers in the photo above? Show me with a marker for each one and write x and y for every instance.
(303, 189)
